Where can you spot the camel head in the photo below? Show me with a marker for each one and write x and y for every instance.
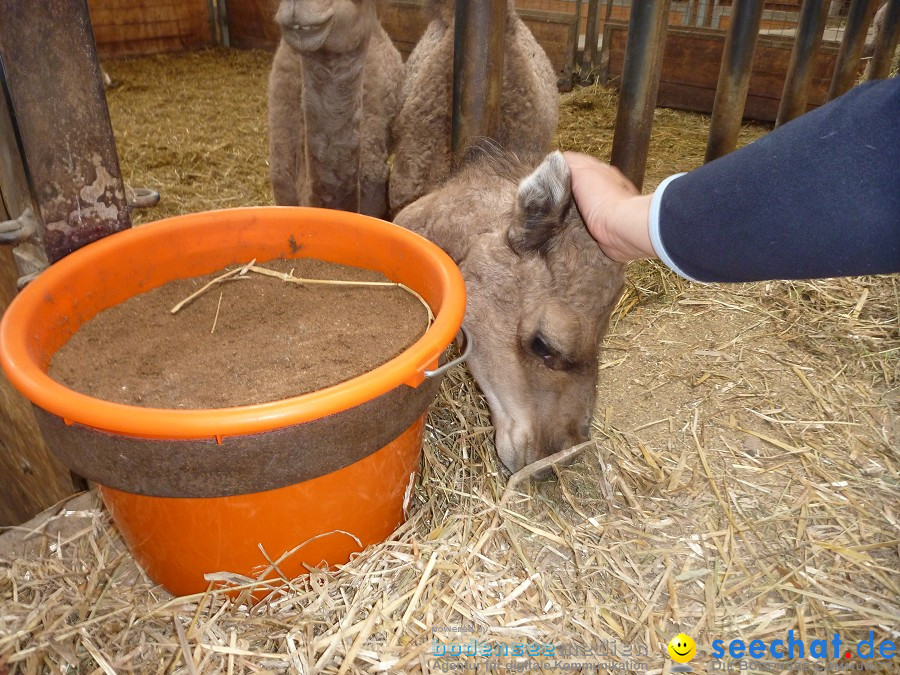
(540, 294)
(328, 25)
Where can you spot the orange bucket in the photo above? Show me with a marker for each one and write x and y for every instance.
(261, 491)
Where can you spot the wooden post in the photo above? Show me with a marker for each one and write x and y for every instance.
(640, 84)
(479, 37)
(886, 43)
(845, 68)
(734, 78)
(59, 109)
(813, 16)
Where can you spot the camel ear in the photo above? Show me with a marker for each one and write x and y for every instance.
(543, 199)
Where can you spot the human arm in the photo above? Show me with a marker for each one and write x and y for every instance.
(819, 196)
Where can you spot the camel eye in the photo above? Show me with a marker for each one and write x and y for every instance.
(540, 347)
(551, 357)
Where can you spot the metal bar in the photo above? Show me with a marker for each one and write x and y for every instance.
(813, 16)
(603, 75)
(590, 37)
(845, 68)
(640, 84)
(213, 15)
(568, 79)
(479, 37)
(16, 194)
(886, 42)
(734, 78)
(59, 109)
(704, 13)
(222, 6)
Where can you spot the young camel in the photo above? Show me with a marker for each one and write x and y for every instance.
(333, 91)
(540, 293)
(529, 104)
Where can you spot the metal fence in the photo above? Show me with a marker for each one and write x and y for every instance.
(778, 19)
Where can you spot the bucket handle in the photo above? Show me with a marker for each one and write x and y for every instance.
(467, 349)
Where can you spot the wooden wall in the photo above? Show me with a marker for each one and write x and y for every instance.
(251, 24)
(139, 27)
(691, 64)
(31, 479)
(405, 22)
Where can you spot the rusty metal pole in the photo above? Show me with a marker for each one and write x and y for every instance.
(640, 84)
(58, 108)
(813, 16)
(479, 37)
(886, 43)
(845, 68)
(734, 78)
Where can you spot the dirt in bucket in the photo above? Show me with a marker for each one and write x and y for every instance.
(249, 339)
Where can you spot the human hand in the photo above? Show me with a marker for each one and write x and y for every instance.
(615, 213)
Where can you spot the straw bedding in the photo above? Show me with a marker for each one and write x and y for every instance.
(742, 480)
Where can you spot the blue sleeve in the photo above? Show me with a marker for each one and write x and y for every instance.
(817, 197)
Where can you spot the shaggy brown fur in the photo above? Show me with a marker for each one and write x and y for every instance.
(529, 104)
(540, 293)
(333, 91)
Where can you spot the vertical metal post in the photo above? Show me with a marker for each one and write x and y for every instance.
(16, 198)
(59, 110)
(813, 16)
(590, 37)
(222, 6)
(604, 45)
(886, 42)
(734, 78)
(858, 21)
(704, 13)
(568, 77)
(213, 14)
(640, 84)
(479, 37)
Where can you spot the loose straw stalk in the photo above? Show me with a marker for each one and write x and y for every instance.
(290, 278)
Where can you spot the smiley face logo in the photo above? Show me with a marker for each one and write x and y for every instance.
(682, 648)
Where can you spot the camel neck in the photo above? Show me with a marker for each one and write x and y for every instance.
(332, 108)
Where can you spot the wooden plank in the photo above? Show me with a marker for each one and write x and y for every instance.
(251, 24)
(405, 21)
(32, 478)
(121, 35)
(553, 32)
(61, 521)
(131, 27)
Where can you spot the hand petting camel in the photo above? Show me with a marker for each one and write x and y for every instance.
(539, 294)
(334, 89)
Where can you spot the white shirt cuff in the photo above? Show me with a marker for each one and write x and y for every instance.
(655, 238)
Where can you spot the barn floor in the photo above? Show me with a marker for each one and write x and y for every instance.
(743, 482)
